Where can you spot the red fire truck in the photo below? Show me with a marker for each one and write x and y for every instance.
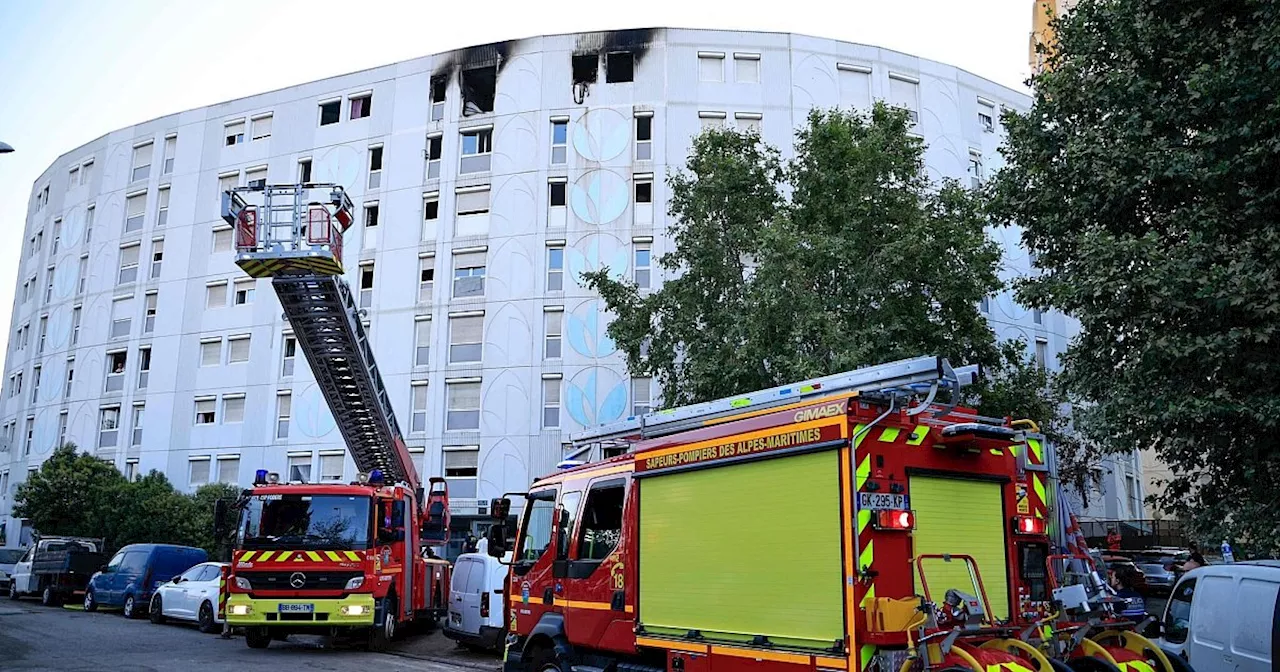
(330, 557)
(854, 522)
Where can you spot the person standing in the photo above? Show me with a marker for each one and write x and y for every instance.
(1194, 560)
(1113, 539)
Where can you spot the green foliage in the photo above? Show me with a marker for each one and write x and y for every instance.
(865, 262)
(1147, 178)
(80, 495)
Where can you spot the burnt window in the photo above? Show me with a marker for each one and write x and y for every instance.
(585, 67)
(619, 66)
(478, 88)
(439, 86)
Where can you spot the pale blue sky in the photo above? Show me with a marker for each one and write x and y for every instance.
(72, 70)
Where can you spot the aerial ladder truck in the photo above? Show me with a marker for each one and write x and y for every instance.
(330, 558)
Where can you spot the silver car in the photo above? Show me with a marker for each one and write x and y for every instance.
(8, 558)
(1159, 580)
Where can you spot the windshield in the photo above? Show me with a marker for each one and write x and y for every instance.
(10, 556)
(337, 522)
(1152, 569)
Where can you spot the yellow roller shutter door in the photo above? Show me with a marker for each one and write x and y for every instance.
(961, 517)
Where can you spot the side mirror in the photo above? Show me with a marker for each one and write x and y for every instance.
(177, 579)
(499, 509)
(104, 569)
(497, 538)
(562, 535)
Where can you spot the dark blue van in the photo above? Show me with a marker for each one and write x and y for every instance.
(134, 573)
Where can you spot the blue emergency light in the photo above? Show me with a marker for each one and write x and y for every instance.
(260, 477)
(375, 477)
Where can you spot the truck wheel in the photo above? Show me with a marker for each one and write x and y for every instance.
(13, 589)
(157, 610)
(381, 635)
(130, 607)
(49, 597)
(207, 626)
(257, 637)
(544, 660)
(90, 602)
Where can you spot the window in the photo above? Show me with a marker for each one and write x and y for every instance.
(585, 68)
(418, 392)
(371, 212)
(426, 279)
(85, 171)
(535, 538)
(366, 285)
(31, 433)
(331, 466)
(710, 66)
(477, 149)
(121, 317)
(375, 167)
(430, 214)
(170, 150)
(304, 170)
(748, 122)
(439, 88)
(229, 469)
(300, 468)
(141, 162)
(556, 196)
(466, 336)
(72, 180)
(557, 212)
(232, 408)
(460, 470)
(642, 267)
(1037, 316)
(36, 372)
(290, 350)
(44, 334)
(227, 182)
(57, 236)
(238, 349)
(88, 223)
(644, 137)
(619, 67)
(1042, 354)
(711, 120)
(330, 112)
(984, 305)
(138, 412)
(641, 396)
(135, 212)
(551, 403)
(62, 434)
(215, 295)
(986, 115)
(162, 206)
(601, 526)
(360, 105)
(211, 352)
(48, 284)
(256, 178)
(206, 410)
(746, 68)
(157, 257)
(222, 239)
(468, 274)
(262, 127)
(244, 291)
(478, 88)
(1177, 615)
(644, 189)
(553, 321)
(555, 269)
(116, 363)
(559, 141)
(975, 169)
(462, 405)
(435, 144)
(904, 92)
(234, 133)
(198, 470)
(75, 325)
(148, 312)
(108, 426)
(284, 411)
(131, 469)
(144, 367)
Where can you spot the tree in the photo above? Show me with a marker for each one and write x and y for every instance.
(1146, 178)
(73, 494)
(865, 262)
(203, 502)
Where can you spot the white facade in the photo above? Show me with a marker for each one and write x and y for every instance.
(127, 264)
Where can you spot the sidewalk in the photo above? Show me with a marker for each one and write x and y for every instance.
(435, 647)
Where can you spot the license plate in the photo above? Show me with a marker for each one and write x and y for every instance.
(880, 501)
(296, 608)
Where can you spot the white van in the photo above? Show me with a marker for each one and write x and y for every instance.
(1226, 618)
(476, 605)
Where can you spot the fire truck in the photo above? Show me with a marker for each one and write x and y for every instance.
(330, 557)
(860, 521)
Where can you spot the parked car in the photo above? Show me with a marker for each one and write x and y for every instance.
(191, 596)
(9, 557)
(476, 601)
(55, 568)
(1225, 618)
(134, 573)
(1158, 579)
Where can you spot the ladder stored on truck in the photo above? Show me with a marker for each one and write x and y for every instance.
(296, 241)
(921, 377)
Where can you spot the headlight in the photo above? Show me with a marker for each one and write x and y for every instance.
(243, 583)
(353, 609)
(240, 609)
(354, 584)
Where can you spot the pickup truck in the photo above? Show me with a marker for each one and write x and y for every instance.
(56, 568)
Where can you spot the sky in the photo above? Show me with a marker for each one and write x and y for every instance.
(73, 70)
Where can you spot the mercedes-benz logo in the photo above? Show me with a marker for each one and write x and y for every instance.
(297, 579)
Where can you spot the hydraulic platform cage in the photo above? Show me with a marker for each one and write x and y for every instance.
(284, 223)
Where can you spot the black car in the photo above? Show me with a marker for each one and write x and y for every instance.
(1159, 580)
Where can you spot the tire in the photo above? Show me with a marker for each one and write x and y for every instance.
(205, 618)
(381, 635)
(13, 589)
(156, 611)
(257, 637)
(544, 660)
(90, 602)
(1179, 663)
(49, 597)
(130, 607)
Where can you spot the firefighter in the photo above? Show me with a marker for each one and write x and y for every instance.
(1113, 539)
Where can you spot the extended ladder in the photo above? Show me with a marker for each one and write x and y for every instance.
(918, 377)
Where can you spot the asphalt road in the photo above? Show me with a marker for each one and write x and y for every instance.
(33, 637)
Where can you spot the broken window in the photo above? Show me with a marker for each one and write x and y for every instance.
(330, 112)
(439, 86)
(619, 67)
(585, 67)
(478, 88)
